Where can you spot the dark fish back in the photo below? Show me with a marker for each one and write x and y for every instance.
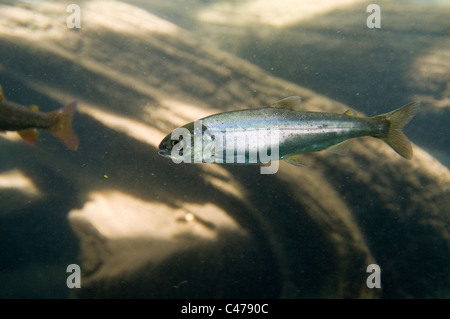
(14, 117)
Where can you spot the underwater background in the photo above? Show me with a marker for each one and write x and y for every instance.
(140, 226)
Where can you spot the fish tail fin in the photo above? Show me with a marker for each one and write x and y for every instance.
(62, 130)
(397, 119)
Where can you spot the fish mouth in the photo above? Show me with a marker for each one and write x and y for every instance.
(164, 154)
(163, 151)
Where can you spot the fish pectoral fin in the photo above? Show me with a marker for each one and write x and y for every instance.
(292, 103)
(2, 96)
(29, 136)
(296, 159)
(351, 113)
(341, 149)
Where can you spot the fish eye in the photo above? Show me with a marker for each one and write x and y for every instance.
(175, 142)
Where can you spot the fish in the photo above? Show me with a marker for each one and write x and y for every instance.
(297, 132)
(26, 121)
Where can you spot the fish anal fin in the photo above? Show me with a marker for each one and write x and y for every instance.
(292, 103)
(341, 149)
(29, 136)
(2, 96)
(296, 159)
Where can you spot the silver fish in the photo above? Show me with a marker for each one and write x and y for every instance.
(297, 132)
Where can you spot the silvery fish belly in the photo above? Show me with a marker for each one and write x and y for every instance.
(237, 145)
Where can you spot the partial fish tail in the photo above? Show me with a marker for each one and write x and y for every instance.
(62, 130)
(397, 119)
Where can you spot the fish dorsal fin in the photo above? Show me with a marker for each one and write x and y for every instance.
(296, 159)
(292, 103)
(341, 149)
(351, 113)
(2, 96)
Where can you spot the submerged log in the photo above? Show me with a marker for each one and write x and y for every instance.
(150, 228)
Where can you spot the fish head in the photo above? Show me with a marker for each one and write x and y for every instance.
(167, 144)
(176, 142)
(165, 147)
(193, 142)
